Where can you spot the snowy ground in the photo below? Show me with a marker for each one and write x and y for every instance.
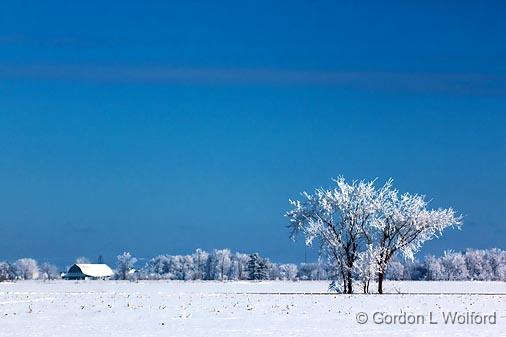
(197, 309)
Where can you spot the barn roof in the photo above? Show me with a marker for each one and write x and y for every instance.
(95, 269)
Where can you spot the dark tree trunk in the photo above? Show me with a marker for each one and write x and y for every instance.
(366, 287)
(345, 285)
(381, 275)
(350, 282)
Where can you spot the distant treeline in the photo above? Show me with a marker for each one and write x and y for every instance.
(471, 264)
(222, 264)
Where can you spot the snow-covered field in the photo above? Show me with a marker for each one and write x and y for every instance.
(174, 308)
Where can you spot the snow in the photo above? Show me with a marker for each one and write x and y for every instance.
(242, 308)
(95, 269)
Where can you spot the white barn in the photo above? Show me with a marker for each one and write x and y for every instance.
(88, 271)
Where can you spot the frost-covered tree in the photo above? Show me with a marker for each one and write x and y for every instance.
(404, 224)
(338, 219)
(49, 271)
(222, 263)
(415, 270)
(238, 267)
(170, 267)
(288, 271)
(257, 267)
(453, 266)
(200, 258)
(500, 274)
(219, 264)
(176, 267)
(497, 261)
(478, 265)
(314, 271)
(82, 260)
(7, 271)
(124, 264)
(27, 268)
(355, 217)
(157, 268)
(187, 268)
(483, 265)
(434, 268)
(396, 271)
(366, 267)
(211, 267)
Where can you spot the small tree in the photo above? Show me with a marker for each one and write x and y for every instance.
(82, 260)
(200, 258)
(222, 263)
(187, 268)
(257, 267)
(49, 271)
(125, 263)
(365, 267)
(288, 271)
(238, 267)
(27, 268)
(477, 264)
(395, 271)
(7, 272)
(434, 268)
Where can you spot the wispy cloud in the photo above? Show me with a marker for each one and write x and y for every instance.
(47, 41)
(451, 83)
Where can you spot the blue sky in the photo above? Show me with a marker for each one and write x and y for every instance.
(164, 127)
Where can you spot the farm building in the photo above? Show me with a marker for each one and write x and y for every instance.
(88, 271)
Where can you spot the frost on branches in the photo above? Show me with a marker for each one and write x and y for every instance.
(125, 263)
(258, 268)
(337, 219)
(360, 227)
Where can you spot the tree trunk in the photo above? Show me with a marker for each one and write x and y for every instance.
(366, 287)
(350, 282)
(381, 275)
(345, 285)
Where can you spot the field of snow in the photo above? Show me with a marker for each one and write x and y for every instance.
(197, 309)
